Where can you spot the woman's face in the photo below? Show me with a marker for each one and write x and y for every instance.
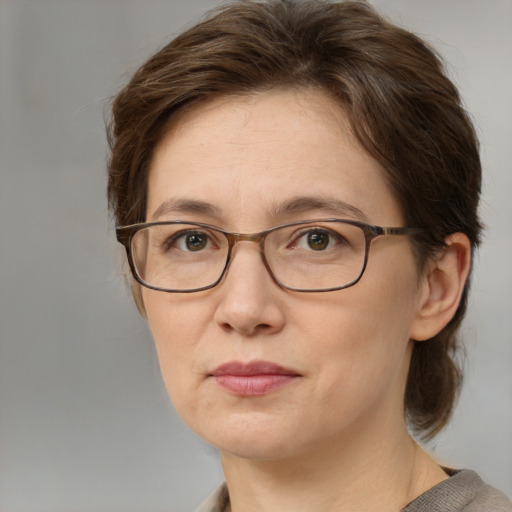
(337, 360)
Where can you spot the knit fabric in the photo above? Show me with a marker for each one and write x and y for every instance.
(464, 491)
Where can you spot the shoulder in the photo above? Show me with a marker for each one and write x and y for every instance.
(464, 491)
(217, 501)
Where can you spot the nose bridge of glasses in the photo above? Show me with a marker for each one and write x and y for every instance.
(235, 238)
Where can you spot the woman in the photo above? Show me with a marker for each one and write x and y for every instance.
(296, 185)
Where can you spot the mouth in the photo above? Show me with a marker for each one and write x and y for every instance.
(252, 379)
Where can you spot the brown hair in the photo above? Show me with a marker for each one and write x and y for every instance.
(402, 108)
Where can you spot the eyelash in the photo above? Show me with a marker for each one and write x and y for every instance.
(174, 240)
(334, 238)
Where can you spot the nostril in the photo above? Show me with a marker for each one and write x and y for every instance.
(246, 329)
(249, 311)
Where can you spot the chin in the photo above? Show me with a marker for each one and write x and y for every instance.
(258, 449)
(252, 436)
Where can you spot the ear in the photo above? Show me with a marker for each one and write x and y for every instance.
(442, 287)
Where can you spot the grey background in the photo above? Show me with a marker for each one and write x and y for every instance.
(85, 423)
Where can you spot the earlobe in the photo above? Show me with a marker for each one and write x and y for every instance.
(442, 287)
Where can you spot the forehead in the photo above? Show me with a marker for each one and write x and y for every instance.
(258, 152)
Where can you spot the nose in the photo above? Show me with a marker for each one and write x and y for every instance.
(250, 300)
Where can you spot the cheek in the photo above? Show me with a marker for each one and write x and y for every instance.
(177, 328)
(360, 341)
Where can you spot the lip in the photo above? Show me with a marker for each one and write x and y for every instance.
(255, 378)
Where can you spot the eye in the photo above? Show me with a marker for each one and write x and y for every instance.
(190, 241)
(317, 239)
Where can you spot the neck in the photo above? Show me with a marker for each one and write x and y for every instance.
(386, 474)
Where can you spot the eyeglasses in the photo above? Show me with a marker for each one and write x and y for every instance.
(306, 256)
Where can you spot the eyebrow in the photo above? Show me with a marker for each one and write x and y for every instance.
(189, 206)
(293, 206)
(329, 205)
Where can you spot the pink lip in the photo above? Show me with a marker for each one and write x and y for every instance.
(252, 379)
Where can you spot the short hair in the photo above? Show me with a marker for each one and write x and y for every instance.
(401, 106)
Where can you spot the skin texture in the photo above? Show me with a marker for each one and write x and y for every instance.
(339, 424)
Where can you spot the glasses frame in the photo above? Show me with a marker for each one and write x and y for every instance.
(125, 235)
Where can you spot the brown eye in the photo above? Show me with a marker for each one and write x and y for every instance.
(191, 241)
(318, 240)
(195, 242)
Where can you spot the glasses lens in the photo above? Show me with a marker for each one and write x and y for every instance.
(179, 257)
(316, 256)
